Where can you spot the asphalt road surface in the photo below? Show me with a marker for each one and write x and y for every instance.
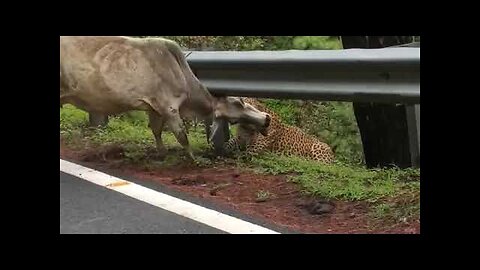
(86, 208)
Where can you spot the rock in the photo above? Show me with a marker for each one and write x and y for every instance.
(320, 207)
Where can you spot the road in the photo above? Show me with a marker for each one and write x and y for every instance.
(86, 208)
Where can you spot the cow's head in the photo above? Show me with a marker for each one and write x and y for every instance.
(235, 110)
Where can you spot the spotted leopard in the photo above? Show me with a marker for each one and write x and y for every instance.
(282, 138)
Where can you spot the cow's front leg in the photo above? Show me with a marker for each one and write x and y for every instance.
(208, 130)
(176, 125)
(156, 123)
(97, 119)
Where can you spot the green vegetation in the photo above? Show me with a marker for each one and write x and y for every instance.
(393, 193)
(340, 181)
(248, 43)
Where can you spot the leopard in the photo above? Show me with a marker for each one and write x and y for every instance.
(281, 138)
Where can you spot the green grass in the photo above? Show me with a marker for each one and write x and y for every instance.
(339, 181)
(72, 119)
(392, 193)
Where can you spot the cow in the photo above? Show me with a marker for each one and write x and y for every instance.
(112, 75)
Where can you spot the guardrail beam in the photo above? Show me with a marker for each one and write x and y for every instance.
(380, 79)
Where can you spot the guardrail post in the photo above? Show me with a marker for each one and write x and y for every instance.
(413, 121)
(390, 133)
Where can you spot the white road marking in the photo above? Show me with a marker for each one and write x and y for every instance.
(189, 210)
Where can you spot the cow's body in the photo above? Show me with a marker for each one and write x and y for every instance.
(111, 75)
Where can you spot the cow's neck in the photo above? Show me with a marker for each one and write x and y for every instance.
(201, 104)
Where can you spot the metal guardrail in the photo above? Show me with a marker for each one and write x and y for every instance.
(390, 75)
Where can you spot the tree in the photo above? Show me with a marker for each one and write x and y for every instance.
(383, 127)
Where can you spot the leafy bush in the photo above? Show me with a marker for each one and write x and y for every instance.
(316, 43)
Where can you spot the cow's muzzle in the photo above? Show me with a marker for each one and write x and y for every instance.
(264, 130)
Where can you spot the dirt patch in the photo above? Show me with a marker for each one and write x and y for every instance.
(265, 197)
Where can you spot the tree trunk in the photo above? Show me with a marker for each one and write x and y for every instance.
(383, 127)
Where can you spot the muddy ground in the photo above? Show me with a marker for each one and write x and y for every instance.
(264, 197)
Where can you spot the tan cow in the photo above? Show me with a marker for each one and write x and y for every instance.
(112, 75)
